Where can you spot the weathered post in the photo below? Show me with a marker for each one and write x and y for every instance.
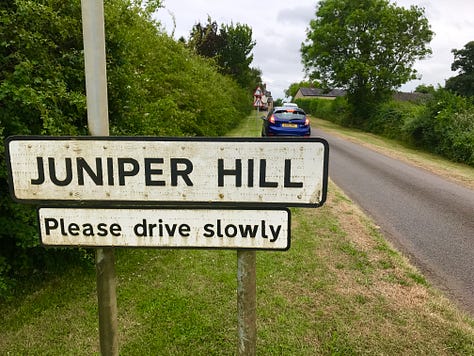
(246, 302)
(98, 122)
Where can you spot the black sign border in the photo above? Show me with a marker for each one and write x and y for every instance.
(287, 210)
(167, 203)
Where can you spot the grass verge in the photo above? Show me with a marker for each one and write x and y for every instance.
(459, 173)
(340, 290)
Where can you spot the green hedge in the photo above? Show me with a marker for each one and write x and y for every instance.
(444, 124)
(389, 119)
(155, 86)
(336, 110)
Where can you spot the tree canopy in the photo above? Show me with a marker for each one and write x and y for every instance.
(463, 83)
(425, 89)
(206, 40)
(230, 46)
(366, 47)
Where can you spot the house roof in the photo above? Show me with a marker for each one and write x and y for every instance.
(413, 97)
(399, 96)
(320, 92)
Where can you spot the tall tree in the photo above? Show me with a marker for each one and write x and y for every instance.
(236, 53)
(425, 89)
(463, 83)
(367, 47)
(230, 46)
(206, 39)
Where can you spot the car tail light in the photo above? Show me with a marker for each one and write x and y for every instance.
(272, 119)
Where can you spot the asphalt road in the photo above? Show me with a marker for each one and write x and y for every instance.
(429, 219)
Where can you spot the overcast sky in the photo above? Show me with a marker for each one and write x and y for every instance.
(279, 28)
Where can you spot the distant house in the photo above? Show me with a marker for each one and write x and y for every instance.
(334, 93)
(268, 100)
(306, 93)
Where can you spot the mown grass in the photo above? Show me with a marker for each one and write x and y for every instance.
(341, 289)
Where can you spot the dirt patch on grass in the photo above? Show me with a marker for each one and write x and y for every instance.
(359, 292)
(369, 267)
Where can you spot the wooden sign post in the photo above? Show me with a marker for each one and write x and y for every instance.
(98, 122)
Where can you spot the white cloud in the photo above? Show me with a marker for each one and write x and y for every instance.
(279, 28)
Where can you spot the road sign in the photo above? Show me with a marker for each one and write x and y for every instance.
(172, 228)
(258, 102)
(257, 92)
(172, 171)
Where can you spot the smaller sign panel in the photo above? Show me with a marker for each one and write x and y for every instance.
(166, 228)
(257, 102)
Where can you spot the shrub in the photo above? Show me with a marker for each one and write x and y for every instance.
(445, 126)
(341, 111)
(331, 110)
(389, 118)
(305, 104)
(457, 130)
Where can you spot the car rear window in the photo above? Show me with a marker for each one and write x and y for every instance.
(289, 113)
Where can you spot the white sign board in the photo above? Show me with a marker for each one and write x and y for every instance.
(171, 228)
(259, 171)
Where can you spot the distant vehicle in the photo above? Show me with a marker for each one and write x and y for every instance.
(290, 105)
(286, 121)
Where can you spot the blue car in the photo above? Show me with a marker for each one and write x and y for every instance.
(286, 121)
